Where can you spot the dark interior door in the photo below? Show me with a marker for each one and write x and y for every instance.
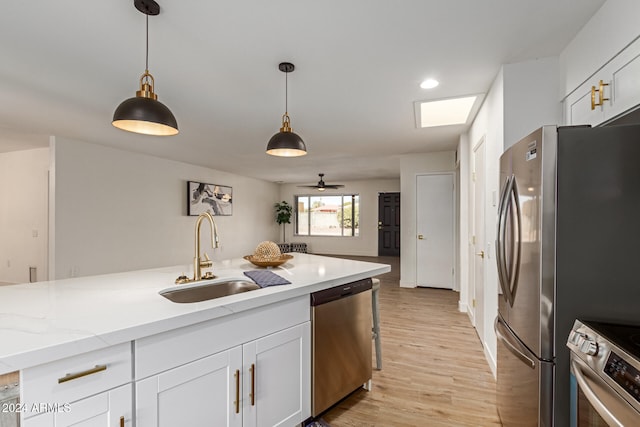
(389, 224)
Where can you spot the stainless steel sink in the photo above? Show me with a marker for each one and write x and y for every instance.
(208, 291)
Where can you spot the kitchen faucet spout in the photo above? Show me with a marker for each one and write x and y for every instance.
(198, 263)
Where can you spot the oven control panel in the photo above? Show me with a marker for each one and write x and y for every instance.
(625, 375)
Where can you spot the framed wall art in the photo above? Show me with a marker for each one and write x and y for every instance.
(212, 198)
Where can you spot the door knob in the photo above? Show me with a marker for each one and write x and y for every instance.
(420, 237)
(481, 254)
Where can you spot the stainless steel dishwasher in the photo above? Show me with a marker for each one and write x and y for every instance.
(341, 336)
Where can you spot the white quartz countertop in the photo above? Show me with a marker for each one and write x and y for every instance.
(45, 321)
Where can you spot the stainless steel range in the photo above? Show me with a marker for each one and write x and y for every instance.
(605, 374)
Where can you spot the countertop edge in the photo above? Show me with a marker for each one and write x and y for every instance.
(226, 306)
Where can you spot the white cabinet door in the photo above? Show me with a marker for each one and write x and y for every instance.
(621, 89)
(108, 409)
(278, 391)
(626, 82)
(198, 394)
(578, 109)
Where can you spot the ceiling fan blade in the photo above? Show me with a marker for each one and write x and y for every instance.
(321, 185)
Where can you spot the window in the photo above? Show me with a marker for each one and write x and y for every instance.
(331, 215)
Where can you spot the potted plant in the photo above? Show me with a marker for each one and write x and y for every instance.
(283, 216)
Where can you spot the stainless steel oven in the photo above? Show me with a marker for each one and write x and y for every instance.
(605, 374)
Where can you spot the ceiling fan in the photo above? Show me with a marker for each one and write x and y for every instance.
(321, 185)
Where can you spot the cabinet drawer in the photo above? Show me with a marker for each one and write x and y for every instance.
(67, 380)
(167, 350)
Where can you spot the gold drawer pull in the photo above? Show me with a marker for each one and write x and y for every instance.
(121, 421)
(69, 377)
(237, 402)
(253, 384)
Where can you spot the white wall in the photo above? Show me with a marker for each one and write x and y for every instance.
(23, 214)
(117, 211)
(410, 166)
(366, 244)
(530, 97)
(523, 97)
(464, 203)
(488, 124)
(610, 29)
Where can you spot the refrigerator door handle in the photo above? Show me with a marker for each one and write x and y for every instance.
(584, 380)
(500, 244)
(511, 342)
(514, 198)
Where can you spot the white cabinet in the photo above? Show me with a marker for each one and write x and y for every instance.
(245, 369)
(277, 378)
(200, 393)
(90, 389)
(109, 409)
(265, 382)
(608, 93)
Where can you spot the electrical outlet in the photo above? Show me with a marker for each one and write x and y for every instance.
(34, 233)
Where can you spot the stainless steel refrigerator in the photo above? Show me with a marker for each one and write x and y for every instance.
(567, 247)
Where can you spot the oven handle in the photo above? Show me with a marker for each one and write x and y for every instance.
(583, 379)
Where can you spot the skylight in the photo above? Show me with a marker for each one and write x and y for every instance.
(444, 112)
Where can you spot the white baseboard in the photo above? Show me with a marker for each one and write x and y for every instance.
(491, 361)
(407, 284)
(462, 307)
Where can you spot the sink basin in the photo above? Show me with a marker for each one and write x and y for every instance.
(208, 291)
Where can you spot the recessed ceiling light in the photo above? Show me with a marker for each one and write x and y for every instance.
(444, 112)
(429, 84)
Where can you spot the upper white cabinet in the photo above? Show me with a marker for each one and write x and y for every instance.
(610, 92)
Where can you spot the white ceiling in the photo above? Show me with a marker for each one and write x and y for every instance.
(66, 64)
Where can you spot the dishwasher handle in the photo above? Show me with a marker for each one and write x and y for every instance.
(343, 291)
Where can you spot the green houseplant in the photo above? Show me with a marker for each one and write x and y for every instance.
(283, 216)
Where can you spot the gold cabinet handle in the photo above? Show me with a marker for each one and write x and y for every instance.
(601, 98)
(253, 384)
(121, 421)
(70, 377)
(237, 402)
(601, 92)
(420, 237)
(481, 254)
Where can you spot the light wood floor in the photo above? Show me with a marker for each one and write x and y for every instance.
(434, 372)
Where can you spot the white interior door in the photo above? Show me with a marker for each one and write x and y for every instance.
(435, 239)
(478, 244)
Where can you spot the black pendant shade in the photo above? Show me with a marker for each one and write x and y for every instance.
(286, 143)
(144, 113)
(146, 116)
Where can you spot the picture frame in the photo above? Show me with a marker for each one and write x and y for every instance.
(213, 198)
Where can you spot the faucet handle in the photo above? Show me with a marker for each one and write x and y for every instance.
(206, 263)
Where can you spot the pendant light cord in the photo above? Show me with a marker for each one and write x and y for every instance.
(146, 60)
(286, 93)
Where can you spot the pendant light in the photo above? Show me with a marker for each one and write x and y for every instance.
(286, 143)
(144, 113)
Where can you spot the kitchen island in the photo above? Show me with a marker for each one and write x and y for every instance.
(50, 331)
